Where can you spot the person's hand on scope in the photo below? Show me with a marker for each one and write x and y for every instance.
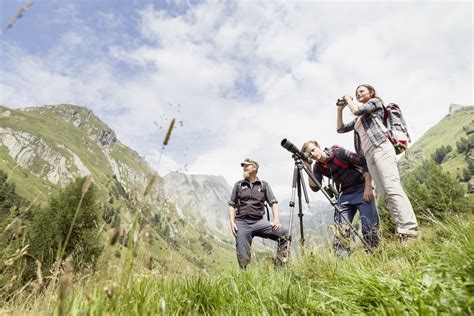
(307, 164)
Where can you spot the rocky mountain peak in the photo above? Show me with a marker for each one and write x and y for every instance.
(75, 114)
(106, 137)
(458, 107)
(83, 118)
(204, 196)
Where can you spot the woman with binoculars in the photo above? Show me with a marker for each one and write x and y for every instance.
(371, 141)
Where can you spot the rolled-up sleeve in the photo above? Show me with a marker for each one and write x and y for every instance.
(347, 127)
(269, 196)
(372, 105)
(233, 196)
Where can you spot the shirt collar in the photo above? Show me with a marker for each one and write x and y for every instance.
(257, 181)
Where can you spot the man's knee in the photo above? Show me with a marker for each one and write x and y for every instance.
(282, 234)
(283, 231)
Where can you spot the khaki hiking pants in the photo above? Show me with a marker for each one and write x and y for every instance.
(382, 164)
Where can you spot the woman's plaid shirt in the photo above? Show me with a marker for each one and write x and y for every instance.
(371, 115)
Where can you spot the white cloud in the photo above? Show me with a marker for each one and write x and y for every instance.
(249, 74)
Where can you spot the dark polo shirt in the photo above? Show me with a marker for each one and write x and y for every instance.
(249, 198)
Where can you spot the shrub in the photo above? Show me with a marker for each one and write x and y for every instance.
(433, 191)
(440, 153)
(50, 226)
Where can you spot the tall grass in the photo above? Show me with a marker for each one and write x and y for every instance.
(433, 276)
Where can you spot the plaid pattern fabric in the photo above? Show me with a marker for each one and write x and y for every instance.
(374, 127)
(353, 159)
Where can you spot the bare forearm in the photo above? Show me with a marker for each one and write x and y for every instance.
(339, 117)
(352, 106)
(368, 180)
(310, 181)
(231, 214)
(276, 212)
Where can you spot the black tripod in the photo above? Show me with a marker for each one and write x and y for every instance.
(298, 186)
(298, 183)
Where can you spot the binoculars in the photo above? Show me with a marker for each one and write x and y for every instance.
(341, 101)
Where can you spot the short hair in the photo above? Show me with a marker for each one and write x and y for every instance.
(305, 145)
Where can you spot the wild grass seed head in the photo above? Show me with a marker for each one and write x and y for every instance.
(65, 283)
(110, 290)
(39, 274)
(17, 255)
(115, 234)
(16, 226)
(168, 133)
(87, 184)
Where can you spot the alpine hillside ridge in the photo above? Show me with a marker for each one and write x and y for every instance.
(60, 142)
(456, 125)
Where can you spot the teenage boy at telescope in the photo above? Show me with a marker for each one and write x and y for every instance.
(353, 183)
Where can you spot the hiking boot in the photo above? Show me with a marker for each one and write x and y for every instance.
(407, 240)
(280, 261)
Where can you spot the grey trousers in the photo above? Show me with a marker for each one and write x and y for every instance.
(249, 228)
(382, 164)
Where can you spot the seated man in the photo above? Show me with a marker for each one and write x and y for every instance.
(246, 210)
(353, 183)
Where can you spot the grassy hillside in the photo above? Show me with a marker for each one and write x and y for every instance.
(448, 131)
(433, 276)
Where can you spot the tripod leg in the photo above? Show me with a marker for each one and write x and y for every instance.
(292, 209)
(342, 236)
(351, 227)
(305, 192)
(300, 208)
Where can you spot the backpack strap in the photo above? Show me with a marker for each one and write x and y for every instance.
(321, 169)
(332, 157)
(264, 186)
(385, 115)
(239, 184)
(341, 164)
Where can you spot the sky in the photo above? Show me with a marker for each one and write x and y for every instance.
(238, 76)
